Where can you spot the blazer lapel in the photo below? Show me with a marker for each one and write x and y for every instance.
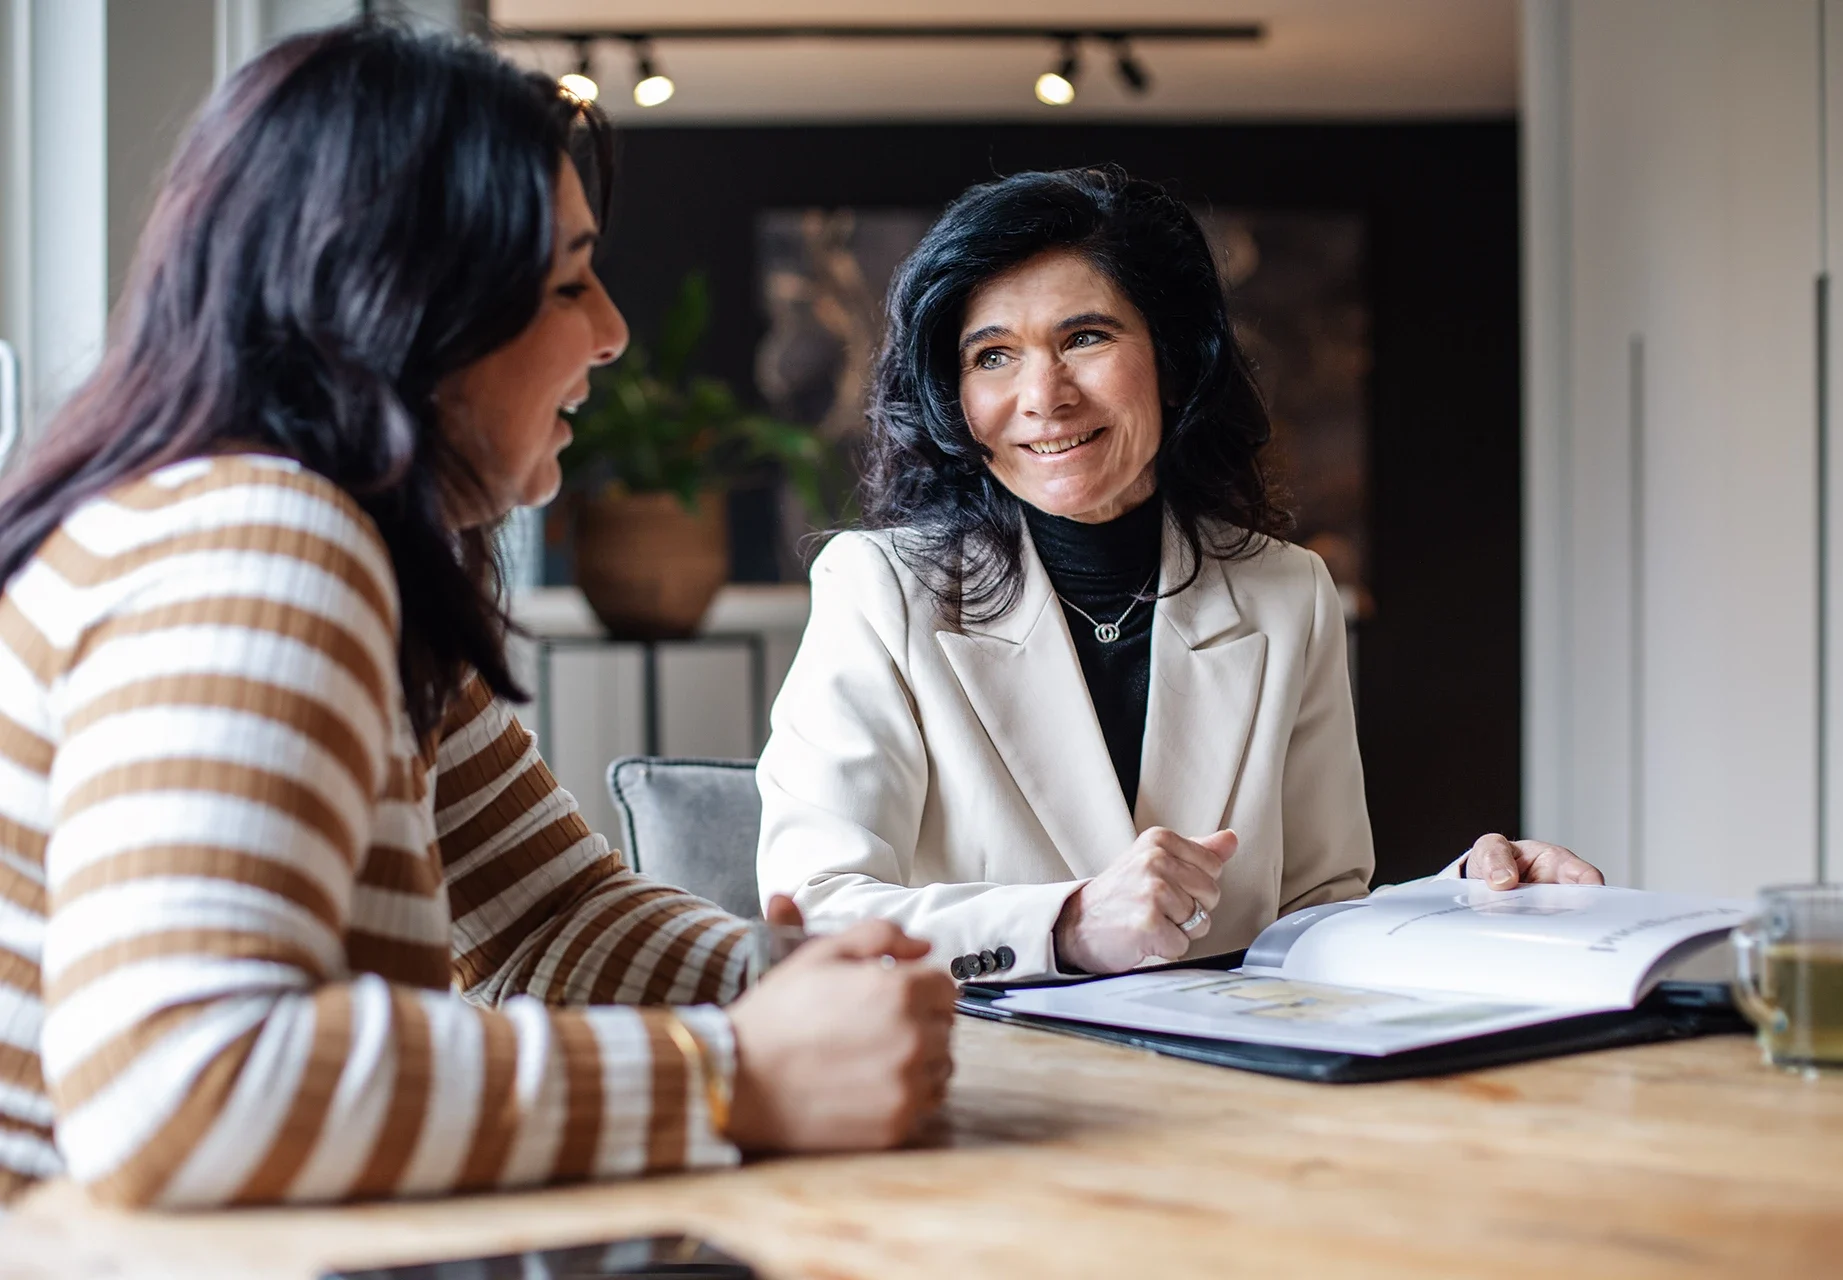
(1025, 684)
(1205, 686)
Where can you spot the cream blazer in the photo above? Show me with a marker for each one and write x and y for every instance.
(958, 784)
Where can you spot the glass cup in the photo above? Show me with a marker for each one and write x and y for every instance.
(1789, 975)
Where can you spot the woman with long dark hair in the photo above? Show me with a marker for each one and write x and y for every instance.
(1071, 703)
(289, 906)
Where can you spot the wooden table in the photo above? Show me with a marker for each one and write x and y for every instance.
(1063, 1158)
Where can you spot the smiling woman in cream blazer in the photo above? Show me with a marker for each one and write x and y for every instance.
(1074, 705)
(957, 782)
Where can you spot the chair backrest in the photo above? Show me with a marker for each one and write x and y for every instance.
(692, 824)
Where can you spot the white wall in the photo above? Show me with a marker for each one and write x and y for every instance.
(161, 67)
(93, 96)
(53, 214)
(1674, 174)
(14, 253)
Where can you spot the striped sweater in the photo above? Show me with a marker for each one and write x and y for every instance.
(256, 943)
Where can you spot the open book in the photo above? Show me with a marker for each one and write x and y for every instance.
(1413, 965)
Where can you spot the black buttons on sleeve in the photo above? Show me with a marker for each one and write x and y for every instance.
(976, 964)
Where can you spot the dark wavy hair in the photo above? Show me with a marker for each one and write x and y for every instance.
(925, 474)
(357, 213)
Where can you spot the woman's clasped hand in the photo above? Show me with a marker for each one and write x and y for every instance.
(1147, 906)
(835, 1052)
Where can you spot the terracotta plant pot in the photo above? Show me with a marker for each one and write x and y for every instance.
(648, 567)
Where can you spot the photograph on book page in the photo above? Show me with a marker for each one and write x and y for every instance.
(1259, 1009)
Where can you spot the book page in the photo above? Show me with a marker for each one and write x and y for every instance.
(1584, 946)
(1278, 1011)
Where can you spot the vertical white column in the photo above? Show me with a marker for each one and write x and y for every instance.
(15, 179)
(1547, 421)
(237, 35)
(1830, 451)
(66, 197)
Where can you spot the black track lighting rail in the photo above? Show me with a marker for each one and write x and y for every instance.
(1238, 32)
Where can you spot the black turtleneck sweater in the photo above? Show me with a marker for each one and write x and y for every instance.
(1100, 568)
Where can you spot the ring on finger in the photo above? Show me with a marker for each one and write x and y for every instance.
(1199, 921)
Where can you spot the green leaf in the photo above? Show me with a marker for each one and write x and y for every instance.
(683, 330)
(654, 428)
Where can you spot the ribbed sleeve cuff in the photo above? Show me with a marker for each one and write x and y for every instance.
(655, 1116)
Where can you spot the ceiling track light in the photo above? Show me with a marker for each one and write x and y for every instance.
(579, 84)
(1057, 88)
(652, 87)
(1132, 72)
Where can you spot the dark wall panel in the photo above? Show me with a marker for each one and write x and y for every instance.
(1438, 682)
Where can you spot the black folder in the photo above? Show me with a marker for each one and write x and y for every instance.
(1672, 1011)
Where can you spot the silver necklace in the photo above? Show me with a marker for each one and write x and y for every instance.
(1108, 632)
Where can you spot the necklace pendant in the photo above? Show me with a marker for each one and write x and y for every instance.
(1107, 632)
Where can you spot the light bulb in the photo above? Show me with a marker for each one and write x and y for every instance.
(1055, 89)
(579, 87)
(654, 90)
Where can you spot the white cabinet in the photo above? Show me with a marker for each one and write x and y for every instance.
(1674, 200)
(596, 700)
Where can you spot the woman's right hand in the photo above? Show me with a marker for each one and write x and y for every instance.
(843, 1045)
(1130, 912)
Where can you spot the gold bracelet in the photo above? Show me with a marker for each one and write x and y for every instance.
(716, 1088)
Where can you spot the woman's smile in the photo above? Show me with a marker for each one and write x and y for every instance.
(565, 412)
(1061, 446)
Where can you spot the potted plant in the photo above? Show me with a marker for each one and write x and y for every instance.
(655, 450)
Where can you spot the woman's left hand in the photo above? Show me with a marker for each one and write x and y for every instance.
(1504, 864)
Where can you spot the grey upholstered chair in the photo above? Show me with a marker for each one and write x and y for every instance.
(691, 823)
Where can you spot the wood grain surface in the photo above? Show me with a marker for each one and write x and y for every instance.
(1059, 1157)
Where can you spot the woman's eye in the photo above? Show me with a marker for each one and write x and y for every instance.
(572, 291)
(991, 359)
(1087, 338)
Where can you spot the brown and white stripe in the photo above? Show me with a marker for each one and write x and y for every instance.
(236, 901)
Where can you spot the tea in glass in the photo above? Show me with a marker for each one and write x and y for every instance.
(1790, 980)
